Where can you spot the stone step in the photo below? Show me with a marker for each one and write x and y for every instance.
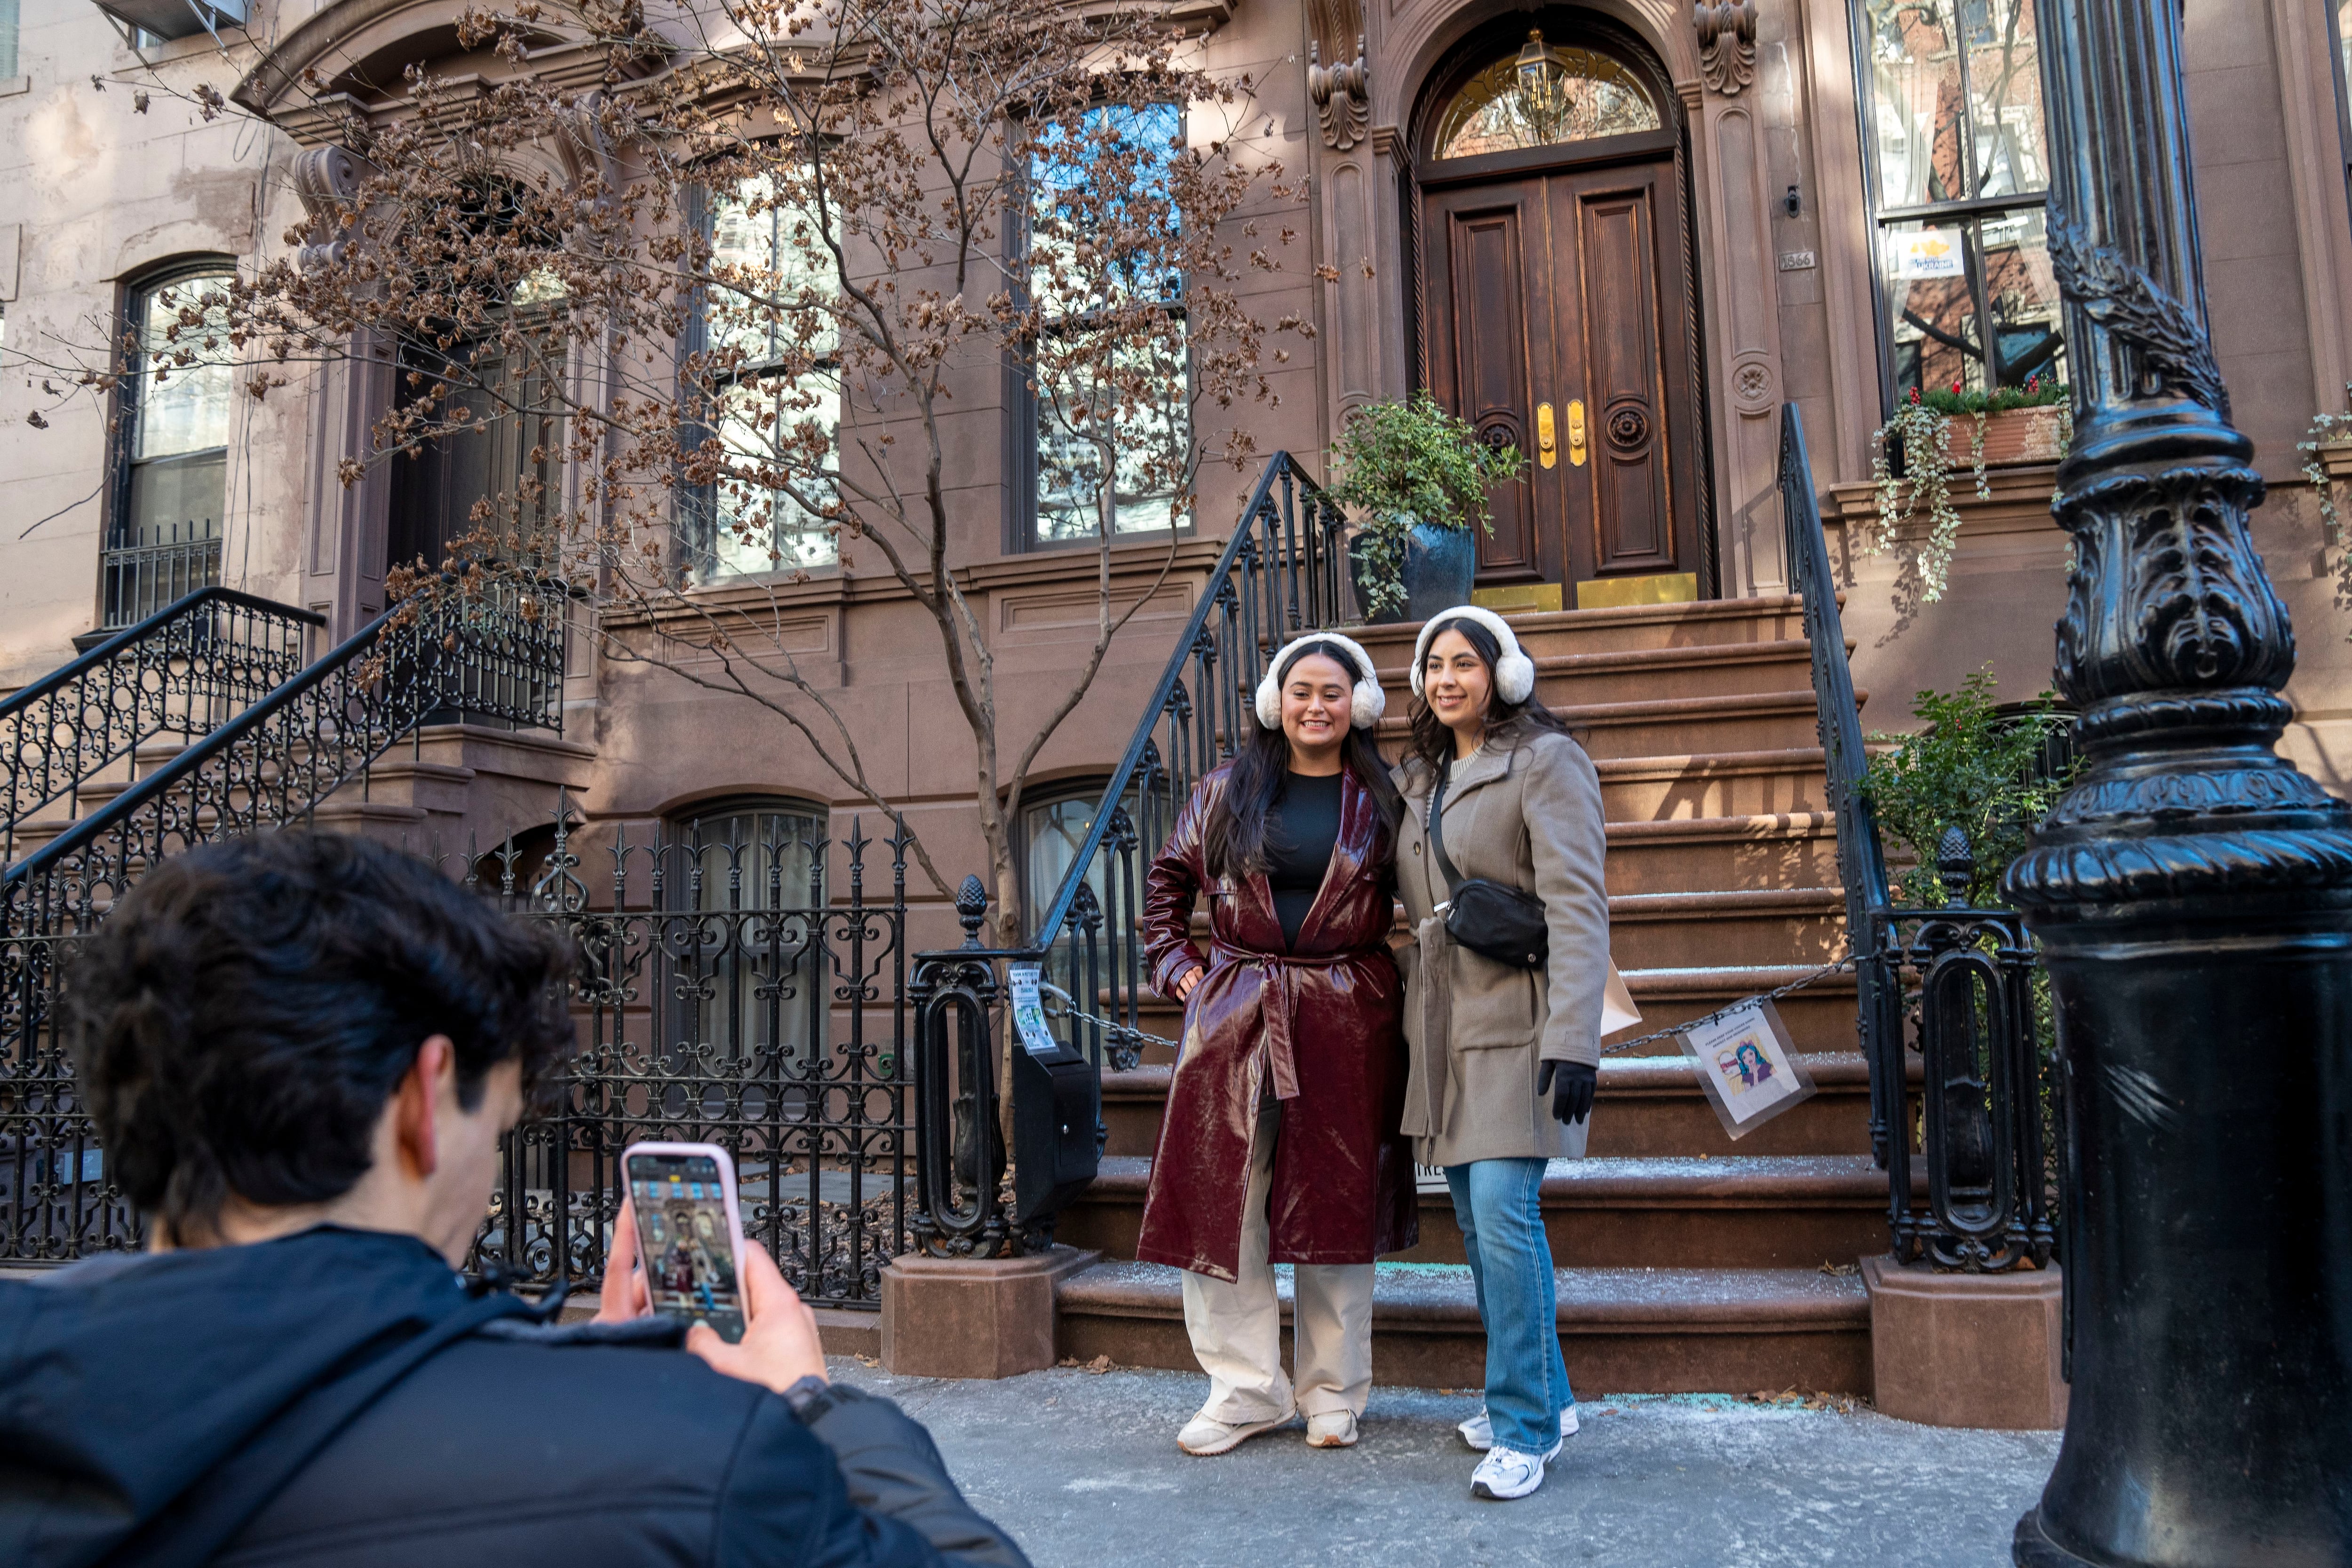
(1649, 1107)
(1732, 1211)
(1747, 927)
(1553, 632)
(1708, 854)
(1629, 1331)
(1713, 784)
(1676, 727)
(1630, 675)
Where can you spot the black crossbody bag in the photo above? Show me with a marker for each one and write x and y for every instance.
(1487, 916)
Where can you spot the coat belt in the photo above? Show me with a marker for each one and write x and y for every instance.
(1436, 971)
(1278, 1002)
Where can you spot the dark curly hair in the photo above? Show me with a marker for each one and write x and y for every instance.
(242, 1015)
(1432, 743)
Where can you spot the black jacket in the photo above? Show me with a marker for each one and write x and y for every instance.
(239, 1404)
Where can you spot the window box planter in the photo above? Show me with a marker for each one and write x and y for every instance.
(2012, 439)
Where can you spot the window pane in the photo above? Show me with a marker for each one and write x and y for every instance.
(789, 426)
(187, 411)
(741, 986)
(1931, 306)
(1069, 207)
(2005, 98)
(1915, 103)
(2022, 293)
(1140, 410)
(174, 499)
(1541, 95)
(771, 262)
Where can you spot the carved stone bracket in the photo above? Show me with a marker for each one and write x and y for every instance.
(1342, 95)
(327, 179)
(1727, 44)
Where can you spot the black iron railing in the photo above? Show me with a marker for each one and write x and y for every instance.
(722, 998)
(183, 671)
(1974, 1126)
(499, 652)
(137, 580)
(1283, 572)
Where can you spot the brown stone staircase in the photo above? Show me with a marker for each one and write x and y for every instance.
(1687, 1261)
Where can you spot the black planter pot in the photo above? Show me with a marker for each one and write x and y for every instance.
(1440, 565)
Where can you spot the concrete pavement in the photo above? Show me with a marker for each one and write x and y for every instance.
(1083, 1469)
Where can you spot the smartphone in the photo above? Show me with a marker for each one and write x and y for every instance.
(689, 1232)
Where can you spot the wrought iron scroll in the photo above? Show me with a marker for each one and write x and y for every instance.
(960, 1169)
(183, 671)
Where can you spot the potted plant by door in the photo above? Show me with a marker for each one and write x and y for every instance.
(1415, 479)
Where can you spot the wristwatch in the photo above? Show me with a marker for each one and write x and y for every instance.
(812, 1396)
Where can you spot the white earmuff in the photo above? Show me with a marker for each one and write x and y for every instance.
(1366, 703)
(1514, 673)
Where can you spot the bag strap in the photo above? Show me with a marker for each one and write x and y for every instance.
(211, 1513)
(1437, 831)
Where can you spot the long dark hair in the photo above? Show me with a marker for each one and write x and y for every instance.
(1233, 838)
(1434, 743)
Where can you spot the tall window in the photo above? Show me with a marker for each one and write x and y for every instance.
(773, 387)
(753, 979)
(2339, 31)
(1110, 424)
(7, 39)
(1052, 831)
(171, 479)
(493, 486)
(1959, 172)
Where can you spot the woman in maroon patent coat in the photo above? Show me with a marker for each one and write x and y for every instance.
(1280, 1140)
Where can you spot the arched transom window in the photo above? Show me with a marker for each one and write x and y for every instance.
(1542, 95)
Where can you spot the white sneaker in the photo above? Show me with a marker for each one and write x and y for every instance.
(1201, 1437)
(1479, 1430)
(1332, 1429)
(1505, 1474)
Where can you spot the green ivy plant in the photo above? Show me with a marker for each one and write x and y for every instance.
(1970, 766)
(1926, 484)
(1400, 463)
(2330, 429)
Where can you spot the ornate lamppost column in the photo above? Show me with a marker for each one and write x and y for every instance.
(2193, 892)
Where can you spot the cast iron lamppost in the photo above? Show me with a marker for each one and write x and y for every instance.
(2193, 892)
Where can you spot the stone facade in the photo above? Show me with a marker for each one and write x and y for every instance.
(108, 171)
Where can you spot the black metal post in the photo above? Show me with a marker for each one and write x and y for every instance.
(2193, 892)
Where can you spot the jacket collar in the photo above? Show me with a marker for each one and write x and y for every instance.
(1493, 761)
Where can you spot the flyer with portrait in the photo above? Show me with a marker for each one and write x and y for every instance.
(1746, 1066)
(1029, 1011)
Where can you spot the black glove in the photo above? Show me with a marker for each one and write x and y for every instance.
(1571, 1085)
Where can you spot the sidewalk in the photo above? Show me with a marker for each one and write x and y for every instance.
(1083, 1469)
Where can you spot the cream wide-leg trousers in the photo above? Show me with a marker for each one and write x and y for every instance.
(1236, 1329)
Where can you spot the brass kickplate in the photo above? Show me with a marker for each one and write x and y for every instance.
(1620, 592)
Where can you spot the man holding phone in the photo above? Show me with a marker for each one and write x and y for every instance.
(302, 1051)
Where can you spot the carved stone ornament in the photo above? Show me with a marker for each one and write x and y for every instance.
(1342, 95)
(327, 179)
(1727, 44)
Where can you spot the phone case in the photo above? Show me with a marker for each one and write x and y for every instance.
(726, 1163)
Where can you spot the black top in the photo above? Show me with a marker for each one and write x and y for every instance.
(1301, 827)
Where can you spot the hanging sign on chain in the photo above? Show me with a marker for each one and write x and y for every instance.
(1748, 1066)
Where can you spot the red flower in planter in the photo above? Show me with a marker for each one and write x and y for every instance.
(1915, 395)
(1956, 386)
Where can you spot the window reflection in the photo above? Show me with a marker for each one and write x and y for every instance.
(1541, 95)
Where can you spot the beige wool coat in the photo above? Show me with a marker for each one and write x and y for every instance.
(1525, 811)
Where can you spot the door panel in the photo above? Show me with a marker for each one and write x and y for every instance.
(1560, 287)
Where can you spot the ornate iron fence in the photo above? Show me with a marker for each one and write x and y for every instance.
(185, 671)
(1950, 990)
(1283, 572)
(711, 1011)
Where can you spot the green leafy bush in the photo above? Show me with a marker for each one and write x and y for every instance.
(1398, 464)
(1973, 768)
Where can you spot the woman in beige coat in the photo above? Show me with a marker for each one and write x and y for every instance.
(1505, 1056)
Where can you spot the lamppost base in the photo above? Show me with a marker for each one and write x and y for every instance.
(2033, 1549)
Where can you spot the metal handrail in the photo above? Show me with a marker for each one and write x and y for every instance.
(1860, 859)
(180, 671)
(316, 732)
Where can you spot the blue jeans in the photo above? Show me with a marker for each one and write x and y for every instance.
(1498, 1205)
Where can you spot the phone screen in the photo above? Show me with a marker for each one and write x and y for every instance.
(682, 1230)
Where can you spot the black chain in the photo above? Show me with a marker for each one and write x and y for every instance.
(1121, 1034)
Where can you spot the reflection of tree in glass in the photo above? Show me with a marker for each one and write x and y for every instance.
(1596, 95)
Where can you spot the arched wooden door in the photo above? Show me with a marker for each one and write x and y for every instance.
(1556, 307)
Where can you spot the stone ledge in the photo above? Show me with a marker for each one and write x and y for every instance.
(1965, 1350)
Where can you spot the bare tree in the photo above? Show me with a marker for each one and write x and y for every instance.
(727, 346)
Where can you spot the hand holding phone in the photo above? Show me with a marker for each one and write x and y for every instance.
(688, 1232)
(778, 1344)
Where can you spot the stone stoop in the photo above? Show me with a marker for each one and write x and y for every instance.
(1688, 1261)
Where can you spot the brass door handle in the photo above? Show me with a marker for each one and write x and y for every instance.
(1576, 431)
(1547, 438)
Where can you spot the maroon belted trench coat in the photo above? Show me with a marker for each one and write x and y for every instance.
(1320, 1029)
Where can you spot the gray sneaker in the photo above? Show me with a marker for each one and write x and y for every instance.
(1479, 1430)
